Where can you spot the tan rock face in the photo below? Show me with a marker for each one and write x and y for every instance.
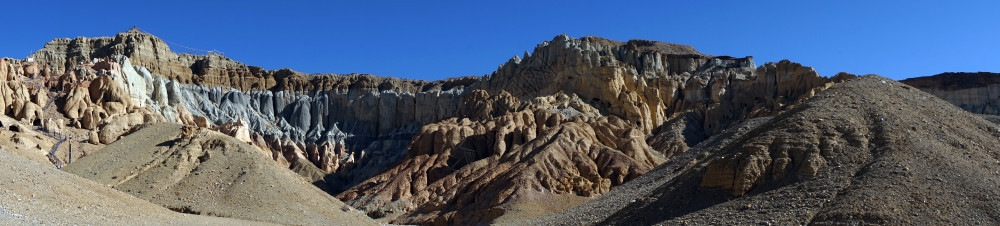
(5, 69)
(651, 88)
(211, 70)
(382, 116)
(503, 159)
(578, 116)
(107, 93)
(237, 129)
(77, 100)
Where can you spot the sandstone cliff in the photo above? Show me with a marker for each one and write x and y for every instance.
(351, 126)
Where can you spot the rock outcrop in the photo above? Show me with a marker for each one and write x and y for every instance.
(866, 151)
(657, 85)
(637, 102)
(502, 159)
(975, 92)
(116, 76)
(577, 116)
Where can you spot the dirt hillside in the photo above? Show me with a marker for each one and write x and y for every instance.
(208, 173)
(37, 193)
(867, 151)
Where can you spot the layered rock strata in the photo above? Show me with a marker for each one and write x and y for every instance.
(577, 116)
(866, 151)
(351, 125)
(974, 92)
(642, 101)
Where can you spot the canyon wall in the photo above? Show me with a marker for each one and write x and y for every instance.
(575, 117)
(350, 126)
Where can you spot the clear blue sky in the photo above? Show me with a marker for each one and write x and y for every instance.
(438, 39)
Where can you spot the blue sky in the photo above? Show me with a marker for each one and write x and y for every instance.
(437, 39)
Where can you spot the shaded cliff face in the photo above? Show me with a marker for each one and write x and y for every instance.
(576, 117)
(975, 92)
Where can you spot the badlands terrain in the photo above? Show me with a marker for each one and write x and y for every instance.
(591, 131)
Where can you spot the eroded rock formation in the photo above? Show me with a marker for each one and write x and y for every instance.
(641, 101)
(577, 116)
(866, 151)
(975, 92)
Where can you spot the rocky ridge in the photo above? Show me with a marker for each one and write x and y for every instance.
(974, 92)
(298, 117)
(601, 112)
(866, 151)
(632, 105)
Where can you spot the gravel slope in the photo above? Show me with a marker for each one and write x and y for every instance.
(209, 173)
(34, 193)
(866, 151)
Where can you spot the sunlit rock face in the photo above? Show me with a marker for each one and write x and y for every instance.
(576, 116)
(339, 123)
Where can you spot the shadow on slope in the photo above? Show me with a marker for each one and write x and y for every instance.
(869, 150)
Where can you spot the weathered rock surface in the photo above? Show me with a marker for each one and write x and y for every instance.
(974, 92)
(650, 83)
(578, 116)
(508, 140)
(503, 159)
(867, 151)
(286, 109)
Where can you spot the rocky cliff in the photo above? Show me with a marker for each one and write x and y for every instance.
(357, 123)
(974, 92)
(575, 117)
(578, 116)
(866, 151)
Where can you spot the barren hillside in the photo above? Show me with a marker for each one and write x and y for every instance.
(867, 151)
(209, 173)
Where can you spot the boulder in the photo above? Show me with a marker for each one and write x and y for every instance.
(237, 129)
(184, 116)
(53, 125)
(203, 122)
(94, 137)
(31, 112)
(117, 125)
(76, 101)
(31, 69)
